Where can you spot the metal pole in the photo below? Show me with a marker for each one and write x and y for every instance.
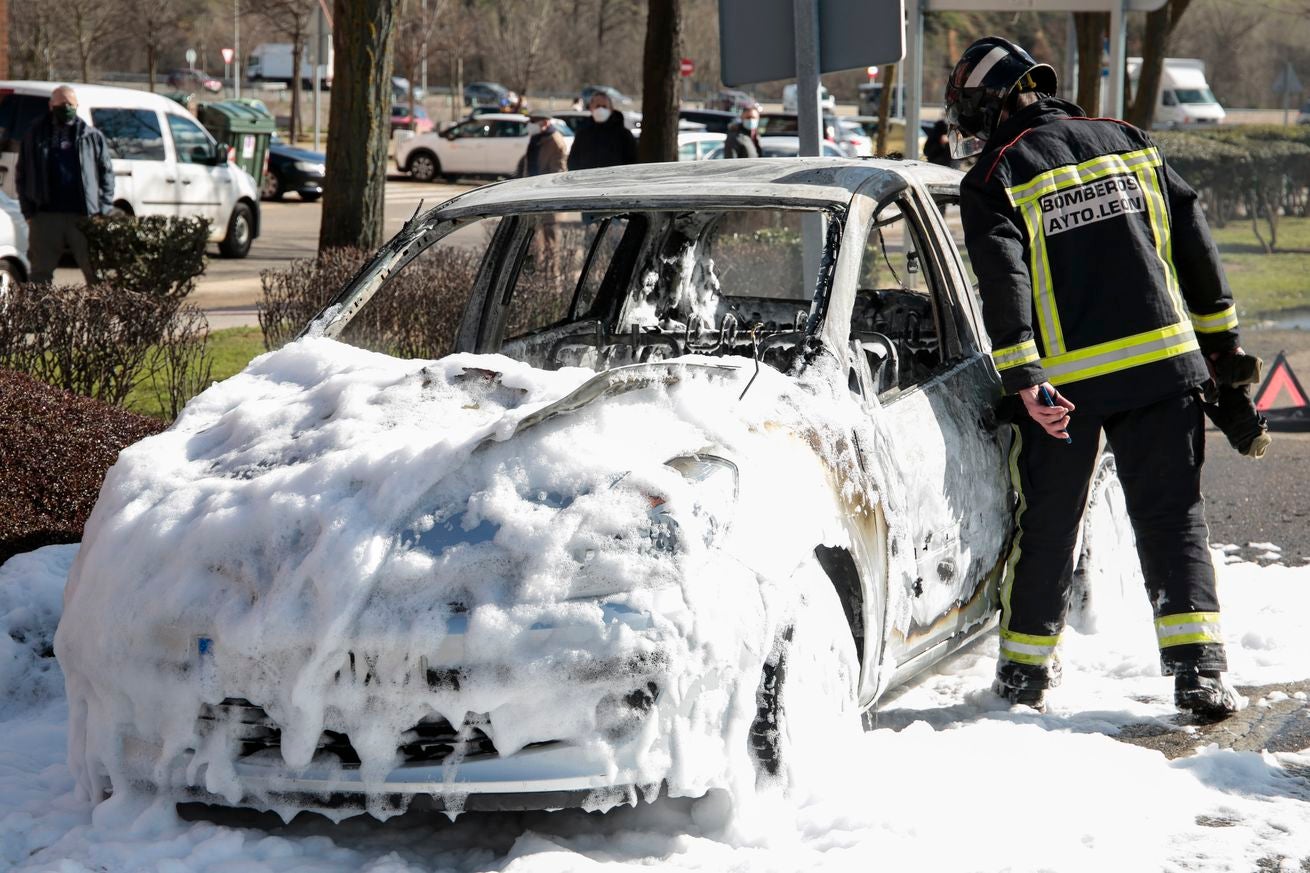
(1070, 88)
(236, 48)
(1118, 47)
(914, 73)
(808, 119)
(423, 60)
(318, 63)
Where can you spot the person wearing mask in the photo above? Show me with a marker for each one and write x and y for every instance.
(1106, 305)
(64, 174)
(602, 140)
(743, 137)
(546, 152)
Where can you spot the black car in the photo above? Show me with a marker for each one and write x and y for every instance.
(715, 120)
(486, 94)
(293, 170)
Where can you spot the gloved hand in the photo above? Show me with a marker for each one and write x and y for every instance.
(1226, 399)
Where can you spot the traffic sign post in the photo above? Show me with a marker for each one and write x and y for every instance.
(190, 58)
(1287, 84)
(686, 67)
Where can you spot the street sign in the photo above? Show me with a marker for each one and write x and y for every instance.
(757, 38)
(687, 66)
(1287, 82)
(190, 57)
(228, 55)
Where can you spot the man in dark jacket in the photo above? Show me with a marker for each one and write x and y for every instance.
(546, 152)
(602, 140)
(743, 138)
(1098, 275)
(64, 174)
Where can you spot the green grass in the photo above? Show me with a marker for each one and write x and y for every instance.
(230, 350)
(1265, 285)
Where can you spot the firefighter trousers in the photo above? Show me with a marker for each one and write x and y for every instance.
(1159, 450)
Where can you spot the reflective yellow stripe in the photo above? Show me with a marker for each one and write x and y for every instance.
(1029, 639)
(1048, 317)
(1121, 354)
(1022, 658)
(1007, 579)
(1215, 322)
(1016, 355)
(1081, 174)
(1186, 628)
(1158, 216)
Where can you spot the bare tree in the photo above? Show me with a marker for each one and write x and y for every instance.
(291, 18)
(416, 32)
(37, 40)
(152, 25)
(517, 38)
(1160, 25)
(89, 24)
(362, 39)
(659, 99)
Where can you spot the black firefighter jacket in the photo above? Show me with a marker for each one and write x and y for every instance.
(1095, 265)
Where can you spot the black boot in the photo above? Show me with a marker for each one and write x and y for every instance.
(1204, 694)
(1033, 698)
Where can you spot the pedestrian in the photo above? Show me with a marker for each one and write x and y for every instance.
(546, 152)
(602, 140)
(1103, 296)
(64, 174)
(743, 137)
(936, 149)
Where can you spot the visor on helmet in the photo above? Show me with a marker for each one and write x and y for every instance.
(962, 145)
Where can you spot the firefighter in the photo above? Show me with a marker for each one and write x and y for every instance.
(1103, 297)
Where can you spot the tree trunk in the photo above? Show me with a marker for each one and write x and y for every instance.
(888, 77)
(358, 123)
(151, 62)
(1091, 28)
(1160, 26)
(659, 82)
(297, 57)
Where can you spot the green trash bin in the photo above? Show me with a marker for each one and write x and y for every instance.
(246, 129)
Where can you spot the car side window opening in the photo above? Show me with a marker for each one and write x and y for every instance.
(131, 134)
(189, 140)
(510, 128)
(473, 129)
(897, 304)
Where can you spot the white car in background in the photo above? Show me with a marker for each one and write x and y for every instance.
(853, 140)
(13, 241)
(165, 163)
(696, 145)
(783, 147)
(488, 145)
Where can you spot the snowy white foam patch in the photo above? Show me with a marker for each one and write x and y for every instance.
(324, 533)
(951, 779)
(31, 597)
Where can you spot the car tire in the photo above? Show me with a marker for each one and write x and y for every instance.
(310, 196)
(240, 233)
(121, 209)
(806, 699)
(271, 189)
(1107, 579)
(14, 270)
(424, 166)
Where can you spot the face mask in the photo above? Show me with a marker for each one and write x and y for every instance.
(600, 114)
(750, 123)
(536, 127)
(64, 113)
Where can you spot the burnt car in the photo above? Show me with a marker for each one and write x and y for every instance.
(587, 488)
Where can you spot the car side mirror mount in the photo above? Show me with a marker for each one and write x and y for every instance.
(218, 157)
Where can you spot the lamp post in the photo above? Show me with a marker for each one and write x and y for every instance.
(236, 48)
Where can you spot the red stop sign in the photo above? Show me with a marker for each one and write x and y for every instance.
(686, 67)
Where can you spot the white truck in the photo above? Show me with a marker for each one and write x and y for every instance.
(1185, 99)
(271, 62)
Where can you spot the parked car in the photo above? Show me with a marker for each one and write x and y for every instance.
(13, 241)
(696, 145)
(827, 102)
(715, 121)
(486, 94)
(293, 170)
(165, 163)
(678, 511)
(788, 124)
(617, 98)
(489, 145)
(781, 147)
(730, 100)
(400, 90)
(194, 80)
(400, 119)
(1304, 116)
(852, 139)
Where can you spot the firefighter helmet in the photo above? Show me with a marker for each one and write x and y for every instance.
(986, 75)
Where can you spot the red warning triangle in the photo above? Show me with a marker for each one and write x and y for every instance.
(1280, 390)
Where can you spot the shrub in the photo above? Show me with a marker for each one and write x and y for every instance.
(153, 254)
(54, 450)
(416, 316)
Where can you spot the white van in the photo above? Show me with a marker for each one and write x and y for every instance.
(271, 62)
(826, 100)
(165, 163)
(1185, 99)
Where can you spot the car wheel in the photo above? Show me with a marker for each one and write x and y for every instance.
(240, 233)
(806, 700)
(1107, 580)
(11, 269)
(310, 196)
(272, 187)
(424, 166)
(121, 210)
